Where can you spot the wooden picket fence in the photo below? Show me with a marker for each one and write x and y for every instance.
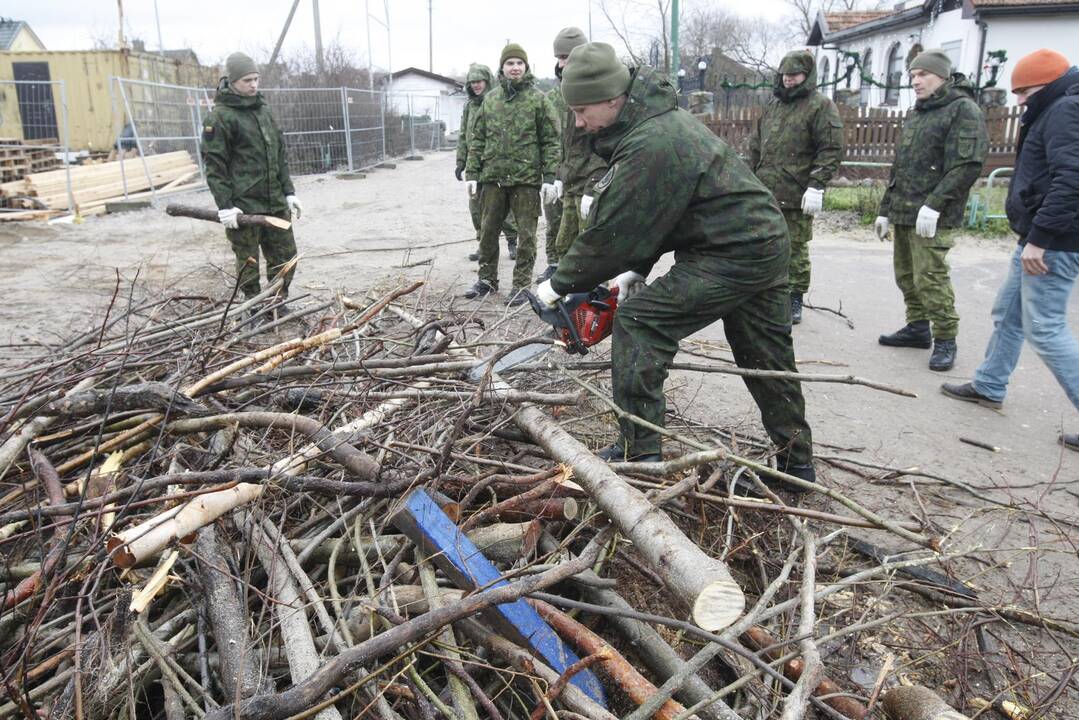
(871, 134)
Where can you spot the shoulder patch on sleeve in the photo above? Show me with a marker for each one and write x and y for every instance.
(606, 180)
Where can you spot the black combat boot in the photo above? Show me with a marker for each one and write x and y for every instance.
(546, 274)
(1070, 441)
(616, 452)
(481, 288)
(517, 297)
(796, 308)
(943, 357)
(474, 257)
(512, 246)
(967, 393)
(914, 335)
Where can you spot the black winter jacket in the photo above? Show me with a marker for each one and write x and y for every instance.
(1043, 198)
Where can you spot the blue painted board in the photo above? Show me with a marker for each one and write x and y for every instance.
(423, 521)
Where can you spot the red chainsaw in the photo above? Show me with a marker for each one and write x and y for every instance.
(580, 320)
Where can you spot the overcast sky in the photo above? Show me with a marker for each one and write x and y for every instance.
(465, 31)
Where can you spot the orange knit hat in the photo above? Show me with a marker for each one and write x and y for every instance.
(1040, 67)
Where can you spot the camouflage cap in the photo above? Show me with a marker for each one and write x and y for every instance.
(594, 74)
(797, 61)
(934, 61)
(567, 39)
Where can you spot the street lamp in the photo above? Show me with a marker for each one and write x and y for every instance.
(852, 61)
(701, 67)
(681, 78)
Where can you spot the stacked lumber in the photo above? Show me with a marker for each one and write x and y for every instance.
(95, 185)
(19, 158)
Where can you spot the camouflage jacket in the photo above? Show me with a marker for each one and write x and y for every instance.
(243, 152)
(471, 111)
(515, 140)
(941, 152)
(673, 186)
(579, 168)
(799, 139)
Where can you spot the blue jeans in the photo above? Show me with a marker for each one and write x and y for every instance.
(1033, 307)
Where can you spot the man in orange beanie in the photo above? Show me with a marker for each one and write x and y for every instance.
(1041, 206)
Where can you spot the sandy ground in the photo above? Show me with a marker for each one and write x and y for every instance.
(413, 222)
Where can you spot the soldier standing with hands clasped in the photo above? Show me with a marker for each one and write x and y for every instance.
(941, 153)
(795, 152)
(673, 186)
(243, 152)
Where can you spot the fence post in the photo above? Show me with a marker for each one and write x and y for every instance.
(138, 144)
(198, 133)
(382, 108)
(411, 128)
(66, 140)
(348, 127)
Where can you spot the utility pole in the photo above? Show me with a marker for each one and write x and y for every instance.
(157, 19)
(676, 60)
(430, 36)
(284, 32)
(120, 34)
(318, 39)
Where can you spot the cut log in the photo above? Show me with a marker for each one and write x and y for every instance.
(702, 582)
(245, 220)
(917, 703)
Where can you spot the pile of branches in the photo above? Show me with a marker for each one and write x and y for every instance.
(199, 521)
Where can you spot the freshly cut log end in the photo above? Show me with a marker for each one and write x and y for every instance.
(719, 604)
(918, 703)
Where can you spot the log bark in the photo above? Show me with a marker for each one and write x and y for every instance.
(228, 621)
(245, 220)
(617, 667)
(700, 581)
(917, 703)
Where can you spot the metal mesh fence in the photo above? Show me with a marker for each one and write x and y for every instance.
(33, 139)
(365, 112)
(313, 122)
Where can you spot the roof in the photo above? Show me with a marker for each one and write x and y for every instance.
(429, 75)
(1021, 3)
(842, 20)
(9, 30)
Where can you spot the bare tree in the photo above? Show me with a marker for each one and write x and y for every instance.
(804, 12)
(639, 24)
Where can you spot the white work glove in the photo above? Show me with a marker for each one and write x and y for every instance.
(230, 218)
(812, 201)
(558, 189)
(546, 294)
(926, 225)
(548, 193)
(629, 284)
(586, 205)
(294, 206)
(880, 226)
(470, 186)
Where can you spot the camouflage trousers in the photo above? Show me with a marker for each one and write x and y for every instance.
(509, 227)
(552, 213)
(921, 272)
(568, 229)
(800, 229)
(278, 247)
(496, 201)
(690, 297)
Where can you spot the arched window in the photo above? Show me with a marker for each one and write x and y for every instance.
(824, 75)
(866, 95)
(894, 78)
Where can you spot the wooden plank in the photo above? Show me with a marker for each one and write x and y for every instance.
(423, 521)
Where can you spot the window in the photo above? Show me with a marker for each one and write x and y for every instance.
(954, 51)
(894, 78)
(823, 74)
(866, 95)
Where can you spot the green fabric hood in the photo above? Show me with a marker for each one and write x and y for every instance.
(795, 62)
(477, 72)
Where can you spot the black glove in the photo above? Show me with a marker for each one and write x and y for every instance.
(459, 171)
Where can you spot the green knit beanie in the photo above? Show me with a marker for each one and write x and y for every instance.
(237, 65)
(567, 39)
(593, 74)
(934, 61)
(513, 50)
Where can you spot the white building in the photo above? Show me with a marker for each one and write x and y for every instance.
(421, 93)
(969, 31)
